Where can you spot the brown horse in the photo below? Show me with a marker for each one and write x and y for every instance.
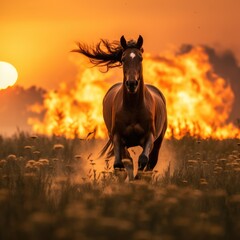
(134, 113)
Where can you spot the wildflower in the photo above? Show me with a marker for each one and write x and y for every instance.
(219, 193)
(218, 169)
(34, 137)
(237, 170)
(30, 164)
(107, 167)
(36, 155)
(29, 176)
(184, 182)
(28, 147)
(78, 157)
(171, 201)
(235, 152)
(61, 180)
(193, 162)
(42, 218)
(3, 162)
(231, 157)
(203, 182)
(235, 198)
(235, 164)
(58, 147)
(44, 161)
(222, 160)
(11, 157)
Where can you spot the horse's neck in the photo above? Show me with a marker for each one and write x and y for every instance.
(131, 101)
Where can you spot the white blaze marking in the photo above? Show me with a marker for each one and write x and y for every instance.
(132, 55)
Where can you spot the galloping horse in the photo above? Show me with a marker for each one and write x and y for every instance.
(134, 113)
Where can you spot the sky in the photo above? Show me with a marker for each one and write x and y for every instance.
(37, 36)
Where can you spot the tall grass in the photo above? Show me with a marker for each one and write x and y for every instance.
(50, 190)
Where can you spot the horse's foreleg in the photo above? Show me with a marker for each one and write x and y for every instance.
(117, 146)
(144, 157)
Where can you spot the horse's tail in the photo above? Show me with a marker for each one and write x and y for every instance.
(107, 148)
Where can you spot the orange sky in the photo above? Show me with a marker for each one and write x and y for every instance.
(36, 36)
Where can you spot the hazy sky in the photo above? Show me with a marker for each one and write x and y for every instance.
(36, 36)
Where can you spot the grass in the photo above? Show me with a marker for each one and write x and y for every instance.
(50, 190)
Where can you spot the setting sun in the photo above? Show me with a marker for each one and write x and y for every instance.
(8, 75)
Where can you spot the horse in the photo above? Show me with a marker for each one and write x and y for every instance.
(134, 113)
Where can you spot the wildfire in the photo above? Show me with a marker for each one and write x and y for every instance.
(198, 100)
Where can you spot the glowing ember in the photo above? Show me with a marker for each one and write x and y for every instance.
(198, 100)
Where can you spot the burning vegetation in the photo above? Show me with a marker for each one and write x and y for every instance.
(199, 101)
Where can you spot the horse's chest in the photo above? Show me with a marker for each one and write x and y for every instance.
(133, 134)
(133, 129)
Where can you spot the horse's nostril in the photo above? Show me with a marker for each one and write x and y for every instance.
(131, 84)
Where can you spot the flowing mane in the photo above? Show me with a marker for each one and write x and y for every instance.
(105, 53)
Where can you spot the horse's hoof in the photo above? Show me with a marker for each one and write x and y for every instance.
(142, 162)
(138, 176)
(118, 165)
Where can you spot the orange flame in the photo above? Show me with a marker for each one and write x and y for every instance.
(198, 100)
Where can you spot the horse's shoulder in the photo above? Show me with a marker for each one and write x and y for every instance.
(156, 91)
(113, 87)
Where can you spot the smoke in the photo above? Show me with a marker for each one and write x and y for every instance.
(16, 108)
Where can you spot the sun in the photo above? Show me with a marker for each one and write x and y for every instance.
(8, 75)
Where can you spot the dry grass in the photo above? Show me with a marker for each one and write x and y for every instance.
(50, 190)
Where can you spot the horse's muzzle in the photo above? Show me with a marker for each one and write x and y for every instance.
(131, 85)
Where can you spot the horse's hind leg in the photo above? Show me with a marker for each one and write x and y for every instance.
(153, 157)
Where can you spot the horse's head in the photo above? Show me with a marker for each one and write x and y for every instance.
(132, 63)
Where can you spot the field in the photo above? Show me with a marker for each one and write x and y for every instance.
(55, 188)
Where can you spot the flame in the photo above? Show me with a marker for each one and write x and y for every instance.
(198, 100)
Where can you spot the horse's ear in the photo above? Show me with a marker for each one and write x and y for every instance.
(123, 42)
(139, 42)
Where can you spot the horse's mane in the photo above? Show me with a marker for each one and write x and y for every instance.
(104, 53)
